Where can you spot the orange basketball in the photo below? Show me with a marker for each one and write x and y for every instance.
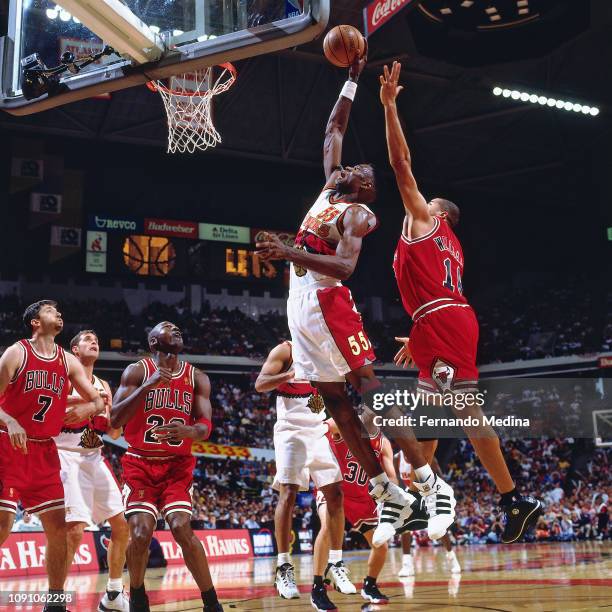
(343, 44)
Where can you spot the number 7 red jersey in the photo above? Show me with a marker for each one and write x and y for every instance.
(36, 395)
(429, 270)
(165, 404)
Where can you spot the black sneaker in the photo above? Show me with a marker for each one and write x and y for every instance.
(140, 606)
(419, 517)
(520, 516)
(371, 593)
(215, 608)
(320, 601)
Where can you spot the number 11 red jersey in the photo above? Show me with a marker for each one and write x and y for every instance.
(165, 404)
(429, 270)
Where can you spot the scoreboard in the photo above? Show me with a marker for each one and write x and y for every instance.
(219, 253)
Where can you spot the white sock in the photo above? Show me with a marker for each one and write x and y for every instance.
(114, 584)
(380, 479)
(423, 473)
(450, 553)
(283, 558)
(406, 558)
(335, 556)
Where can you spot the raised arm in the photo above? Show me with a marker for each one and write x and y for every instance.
(338, 122)
(274, 370)
(341, 265)
(201, 409)
(415, 204)
(93, 402)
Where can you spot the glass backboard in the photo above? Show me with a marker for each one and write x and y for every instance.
(193, 34)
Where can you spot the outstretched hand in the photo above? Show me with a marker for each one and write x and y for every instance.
(271, 247)
(403, 357)
(389, 88)
(358, 64)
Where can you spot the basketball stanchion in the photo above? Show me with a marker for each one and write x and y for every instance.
(188, 102)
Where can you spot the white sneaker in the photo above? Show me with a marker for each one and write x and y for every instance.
(285, 582)
(407, 568)
(114, 600)
(452, 562)
(439, 501)
(394, 509)
(337, 574)
(453, 585)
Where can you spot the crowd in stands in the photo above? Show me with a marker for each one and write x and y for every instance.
(559, 322)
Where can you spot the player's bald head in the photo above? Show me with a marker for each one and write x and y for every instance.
(165, 337)
(446, 206)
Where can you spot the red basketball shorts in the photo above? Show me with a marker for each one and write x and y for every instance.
(157, 485)
(327, 333)
(443, 344)
(33, 478)
(361, 513)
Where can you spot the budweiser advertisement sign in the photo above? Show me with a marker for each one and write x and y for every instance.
(377, 13)
(167, 227)
(605, 362)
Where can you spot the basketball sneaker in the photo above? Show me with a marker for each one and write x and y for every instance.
(439, 501)
(520, 515)
(407, 568)
(370, 592)
(452, 563)
(320, 601)
(395, 506)
(285, 582)
(418, 519)
(337, 575)
(140, 606)
(114, 600)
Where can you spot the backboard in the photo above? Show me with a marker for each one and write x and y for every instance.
(190, 34)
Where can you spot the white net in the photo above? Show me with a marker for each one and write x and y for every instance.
(188, 102)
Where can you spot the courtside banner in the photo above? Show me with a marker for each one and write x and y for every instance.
(220, 544)
(167, 227)
(605, 362)
(377, 13)
(23, 554)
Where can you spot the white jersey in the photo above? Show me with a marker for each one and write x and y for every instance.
(405, 468)
(84, 437)
(320, 232)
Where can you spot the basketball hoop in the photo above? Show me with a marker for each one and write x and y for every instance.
(188, 102)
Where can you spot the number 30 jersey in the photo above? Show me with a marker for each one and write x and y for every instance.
(36, 395)
(165, 404)
(429, 270)
(355, 483)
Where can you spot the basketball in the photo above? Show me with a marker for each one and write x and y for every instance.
(343, 44)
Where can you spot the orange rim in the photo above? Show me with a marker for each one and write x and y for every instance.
(156, 86)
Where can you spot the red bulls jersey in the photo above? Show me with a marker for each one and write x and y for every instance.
(36, 396)
(162, 405)
(355, 480)
(429, 270)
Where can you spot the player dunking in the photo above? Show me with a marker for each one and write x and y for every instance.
(303, 453)
(91, 491)
(163, 404)
(428, 266)
(35, 376)
(330, 345)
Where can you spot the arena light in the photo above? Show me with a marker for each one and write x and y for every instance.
(535, 98)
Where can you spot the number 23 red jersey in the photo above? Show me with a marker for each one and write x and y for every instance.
(36, 396)
(170, 403)
(429, 270)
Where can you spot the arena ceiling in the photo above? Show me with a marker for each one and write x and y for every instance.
(462, 136)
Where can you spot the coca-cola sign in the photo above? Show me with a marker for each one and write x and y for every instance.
(377, 13)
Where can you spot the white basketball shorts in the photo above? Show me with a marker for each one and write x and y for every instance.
(91, 492)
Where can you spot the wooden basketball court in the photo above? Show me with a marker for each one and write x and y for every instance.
(572, 576)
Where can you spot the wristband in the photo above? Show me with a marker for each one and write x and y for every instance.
(209, 425)
(349, 90)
